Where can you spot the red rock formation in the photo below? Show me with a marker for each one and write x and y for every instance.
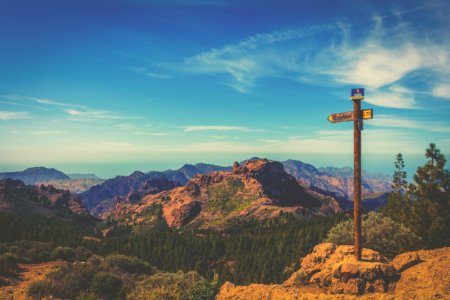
(257, 189)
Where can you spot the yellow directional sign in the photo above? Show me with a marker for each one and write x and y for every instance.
(367, 114)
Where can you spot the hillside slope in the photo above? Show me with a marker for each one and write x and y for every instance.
(19, 198)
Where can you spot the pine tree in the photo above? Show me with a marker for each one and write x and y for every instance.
(431, 205)
(399, 205)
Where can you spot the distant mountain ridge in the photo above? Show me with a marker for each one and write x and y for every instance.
(36, 174)
(337, 181)
(83, 176)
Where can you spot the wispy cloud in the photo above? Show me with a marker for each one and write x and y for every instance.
(94, 114)
(220, 128)
(13, 115)
(382, 58)
(442, 91)
(394, 121)
(254, 57)
(56, 103)
(48, 132)
(152, 74)
(23, 98)
(395, 96)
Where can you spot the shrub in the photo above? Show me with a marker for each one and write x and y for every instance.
(64, 253)
(40, 289)
(87, 296)
(379, 233)
(173, 286)
(82, 254)
(32, 251)
(127, 263)
(106, 284)
(8, 263)
(69, 280)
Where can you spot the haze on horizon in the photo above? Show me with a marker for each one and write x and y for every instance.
(114, 86)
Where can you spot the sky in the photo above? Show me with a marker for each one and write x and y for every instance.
(115, 86)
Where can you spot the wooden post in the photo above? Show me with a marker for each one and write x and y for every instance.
(357, 126)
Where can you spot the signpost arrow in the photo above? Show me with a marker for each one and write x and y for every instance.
(357, 116)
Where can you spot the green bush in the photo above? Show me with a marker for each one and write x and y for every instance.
(64, 253)
(379, 233)
(8, 263)
(87, 296)
(127, 263)
(69, 280)
(40, 289)
(32, 251)
(82, 254)
(106, 284)
(178, 285)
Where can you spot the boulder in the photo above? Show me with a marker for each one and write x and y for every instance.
(405, 261)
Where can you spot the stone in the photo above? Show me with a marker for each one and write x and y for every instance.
(405, 261)
(355, 286)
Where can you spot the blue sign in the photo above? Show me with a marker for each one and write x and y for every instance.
(357, 94)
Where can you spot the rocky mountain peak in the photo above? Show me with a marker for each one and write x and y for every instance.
(258, 188)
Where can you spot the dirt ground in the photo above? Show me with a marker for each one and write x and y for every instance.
(28, 273)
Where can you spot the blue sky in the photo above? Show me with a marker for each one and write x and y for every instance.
(113, 86)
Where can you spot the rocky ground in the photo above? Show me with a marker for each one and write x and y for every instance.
(16, 288)
(331, 272)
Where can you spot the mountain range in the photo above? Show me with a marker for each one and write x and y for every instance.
(101, 196)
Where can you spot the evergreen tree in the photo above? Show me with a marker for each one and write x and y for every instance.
(431, 205)
(399, 205)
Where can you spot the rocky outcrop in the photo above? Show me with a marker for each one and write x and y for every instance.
(256, 189)
(335, 269)
(331, 272)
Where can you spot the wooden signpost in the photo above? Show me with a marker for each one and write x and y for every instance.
(357, 116)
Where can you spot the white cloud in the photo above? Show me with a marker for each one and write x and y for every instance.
(254, 57)
(396, 98)
(374, 65)
(442, 91)
(382, 58)
(220, 128)
(146, 72)
(48, 132)
(13, 115)
(93, 114)
(56, 103)
(393, 121)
